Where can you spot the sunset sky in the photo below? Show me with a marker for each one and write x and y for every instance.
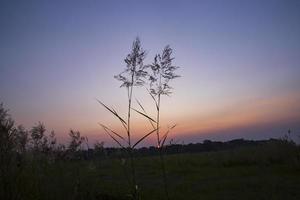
(239, 65)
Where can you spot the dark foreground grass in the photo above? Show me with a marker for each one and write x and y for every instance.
(267, 172)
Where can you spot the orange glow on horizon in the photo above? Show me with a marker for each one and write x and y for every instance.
(256, 112)
(210, 120)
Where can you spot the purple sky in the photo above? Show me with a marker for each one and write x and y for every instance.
(240, 64)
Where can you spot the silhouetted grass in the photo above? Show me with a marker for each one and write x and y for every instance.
(133, 75)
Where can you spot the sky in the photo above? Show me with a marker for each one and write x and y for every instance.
(239, 65)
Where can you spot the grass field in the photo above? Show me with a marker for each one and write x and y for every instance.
(269, 171)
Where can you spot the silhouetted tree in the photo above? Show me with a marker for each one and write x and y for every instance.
(76, 141)
(99, 148)
(52, 141)
(8, 157)
(74, 146)
(21, 139)
(38, 137)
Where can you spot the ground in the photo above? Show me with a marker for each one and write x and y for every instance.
(267, 172)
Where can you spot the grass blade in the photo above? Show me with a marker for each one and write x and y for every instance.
(173, 126)
(153, 98)
(164, 138)
(113, 138)
(140, 140)
(166, 135)
(115, 114)
(141, 106)
(118, 135)
(112, 111)
(144, 115)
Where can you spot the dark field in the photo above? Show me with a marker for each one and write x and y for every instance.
(268, 171)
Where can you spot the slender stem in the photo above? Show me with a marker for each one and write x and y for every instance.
(157, 121)
(160, 148)
(158, 112)
(129, 139)
(128, 117)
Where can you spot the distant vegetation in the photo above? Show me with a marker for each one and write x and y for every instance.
(35, 166)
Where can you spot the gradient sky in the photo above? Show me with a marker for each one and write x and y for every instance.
(240, 65)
